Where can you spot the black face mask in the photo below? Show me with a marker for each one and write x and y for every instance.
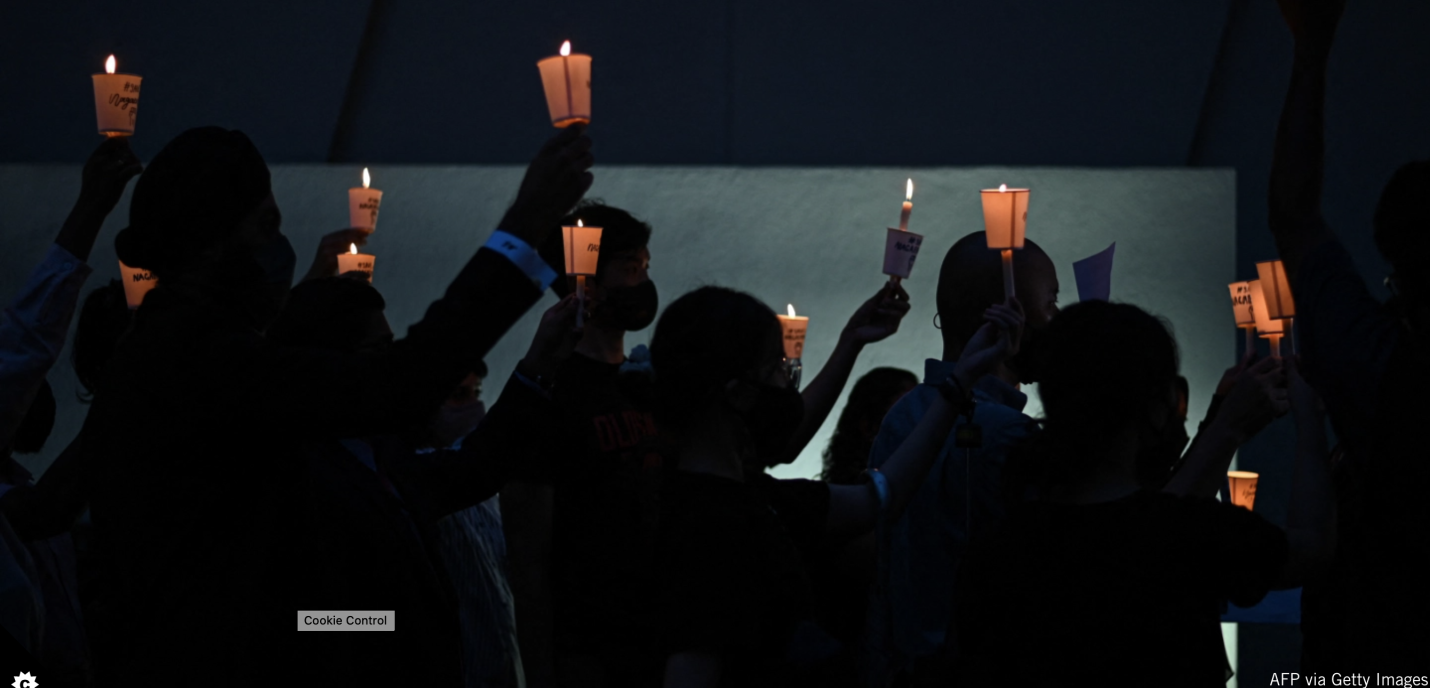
(1156, 460)
(771, 421)
(631, 308)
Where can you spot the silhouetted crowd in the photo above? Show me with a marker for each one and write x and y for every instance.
(255, 449)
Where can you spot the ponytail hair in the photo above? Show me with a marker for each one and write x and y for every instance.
(1103, 365)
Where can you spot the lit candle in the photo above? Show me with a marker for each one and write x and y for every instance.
(1005, 218)
(582, 246)
(1242, 488)
(1276, 289)
(901, 246)
(794, 327)
(567, 80)
(1241, 310)
(1266, 326)
(908, 206)
(116, 100)
(363, 203)
(352, 261)
(137, 283)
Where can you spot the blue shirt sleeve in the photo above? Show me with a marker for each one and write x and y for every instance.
(524, 257)
(32, 332)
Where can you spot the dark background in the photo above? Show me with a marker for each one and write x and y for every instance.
(1117, 83)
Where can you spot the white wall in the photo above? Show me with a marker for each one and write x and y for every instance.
(810, 236)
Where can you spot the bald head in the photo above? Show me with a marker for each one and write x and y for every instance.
(971, 280)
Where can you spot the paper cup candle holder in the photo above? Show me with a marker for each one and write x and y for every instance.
(1267, 327)
(363, 203)
(137, 283)
(1241, 486)
(1276, 290)
(1241, 311)
(794, 328)
(352, 261)
(116, 100)
(1005, 218)
(901, 246)
(567, 80)
(582, 246)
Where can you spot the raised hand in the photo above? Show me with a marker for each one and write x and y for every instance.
(107, 172)
(1305, 404)
(879, 317)
(1258, 397)
(1229, 376)
(993, 343)
(555, 339)
(325, 262)
(555, 181)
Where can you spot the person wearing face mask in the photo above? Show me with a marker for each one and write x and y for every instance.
(1101, 579)
(731, 543)
(194, 510)
(578, 517)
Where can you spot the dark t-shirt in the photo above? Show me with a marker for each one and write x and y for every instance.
(731, 571)
(1121, 593)
(603, 460)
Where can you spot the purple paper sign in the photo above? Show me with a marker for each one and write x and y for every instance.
(1094, 275)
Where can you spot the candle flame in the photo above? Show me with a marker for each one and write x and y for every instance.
(909, 191)
(366, 178)
(352, 248)
(109, 65)
(566, 48)
(791, 310)
(1002, 188)
(579, 223)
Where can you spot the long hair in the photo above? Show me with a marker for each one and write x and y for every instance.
(848, 452)
(1104, 365)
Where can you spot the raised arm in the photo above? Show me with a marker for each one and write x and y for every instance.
(875, 320)
(1311, 517)
(1258, 396)
(35, 321)
(1298, 167)
(853, 508)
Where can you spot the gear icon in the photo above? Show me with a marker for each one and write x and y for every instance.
(25, 680)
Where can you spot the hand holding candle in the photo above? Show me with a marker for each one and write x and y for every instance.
(116, 100)
(363, 204)
(567, 81)
(352, 261)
